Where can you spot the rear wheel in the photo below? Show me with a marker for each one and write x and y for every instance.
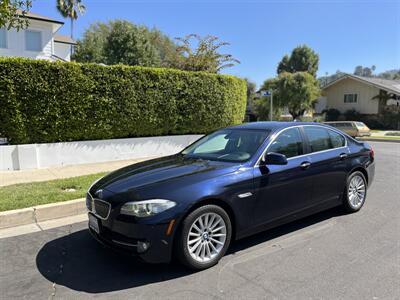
(204, 237)
(356, 192)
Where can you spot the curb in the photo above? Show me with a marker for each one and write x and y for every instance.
(378, 140)
(40, 213)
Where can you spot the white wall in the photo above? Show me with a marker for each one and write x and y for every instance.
(63, 51)
(34, 156)
(16, 41)
(320, 105)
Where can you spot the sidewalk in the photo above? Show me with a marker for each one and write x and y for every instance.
(13, 177)
(382, 133)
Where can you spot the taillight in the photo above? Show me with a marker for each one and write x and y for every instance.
(372, 153)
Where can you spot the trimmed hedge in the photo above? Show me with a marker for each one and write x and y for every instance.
(44, 101)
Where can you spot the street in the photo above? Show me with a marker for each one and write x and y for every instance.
(331, 255)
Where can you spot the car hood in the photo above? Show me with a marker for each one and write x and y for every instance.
(163, 170)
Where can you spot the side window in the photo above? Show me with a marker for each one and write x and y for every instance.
(33, 40)
(337, 139)
(318, 138)
(3, 38)
(289, 143)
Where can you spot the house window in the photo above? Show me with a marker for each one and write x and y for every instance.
(3, 38)
(350, 98)
(33, 40)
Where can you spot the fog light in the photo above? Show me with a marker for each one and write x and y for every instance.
(142, 247)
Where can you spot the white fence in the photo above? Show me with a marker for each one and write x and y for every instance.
(35, 156)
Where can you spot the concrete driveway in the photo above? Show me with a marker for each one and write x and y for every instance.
(327, 256)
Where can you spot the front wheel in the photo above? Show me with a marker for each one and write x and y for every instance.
(356, 192)
(204, 237)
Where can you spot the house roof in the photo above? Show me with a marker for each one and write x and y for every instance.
(65, 39)
(391, 86)
(34, 16)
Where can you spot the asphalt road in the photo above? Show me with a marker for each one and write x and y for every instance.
(327, 256)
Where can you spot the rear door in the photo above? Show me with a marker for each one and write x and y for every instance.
(328, 157)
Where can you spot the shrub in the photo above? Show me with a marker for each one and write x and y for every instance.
(352, 115)
(332, 114)
(52, 102)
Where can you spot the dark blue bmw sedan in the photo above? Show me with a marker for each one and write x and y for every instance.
(229, 184)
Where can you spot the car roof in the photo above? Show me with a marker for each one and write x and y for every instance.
(273, 126)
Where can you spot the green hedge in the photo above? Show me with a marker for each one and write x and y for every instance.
(43, 101)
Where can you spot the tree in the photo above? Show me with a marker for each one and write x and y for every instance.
(128, 44)
(13, 12)
(204, 56)
(302, 59)
(167, 48)
(91, 47)
(134, 45)
(364, 71)
(296, 91)
(262, 105)
(71, 9)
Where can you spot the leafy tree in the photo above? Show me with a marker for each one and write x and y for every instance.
(296, 91)
(132, 42)
(91, 47)
(128, 44)
(71, 9)
(203, 56)
(166, 47)
(263, 105)
(13, 12)
(302, 59)
(251, 94)
(364, 71)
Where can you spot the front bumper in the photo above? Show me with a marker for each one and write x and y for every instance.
(128, 237)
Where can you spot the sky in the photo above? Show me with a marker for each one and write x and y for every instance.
(345, 33)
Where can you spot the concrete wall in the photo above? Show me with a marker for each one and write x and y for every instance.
(16, 41)
(365, 104)
(34, 156)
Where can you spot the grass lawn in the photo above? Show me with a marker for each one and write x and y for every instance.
(30, 194)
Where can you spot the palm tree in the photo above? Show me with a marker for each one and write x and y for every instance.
(71, 9)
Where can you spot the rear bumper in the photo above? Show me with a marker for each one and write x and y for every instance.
(128, 238)
(371, 173)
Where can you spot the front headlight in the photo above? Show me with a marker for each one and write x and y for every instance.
(146, 208)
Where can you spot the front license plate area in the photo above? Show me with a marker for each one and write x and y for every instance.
(94, 223)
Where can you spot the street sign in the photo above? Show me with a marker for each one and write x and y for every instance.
(266, 93)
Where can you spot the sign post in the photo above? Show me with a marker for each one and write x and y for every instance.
(266, 94)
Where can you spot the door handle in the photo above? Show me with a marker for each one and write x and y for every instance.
(305, 164)
(343, 156)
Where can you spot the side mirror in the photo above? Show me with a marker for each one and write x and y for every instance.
(273, 158)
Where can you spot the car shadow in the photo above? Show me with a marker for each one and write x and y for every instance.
(78, 262)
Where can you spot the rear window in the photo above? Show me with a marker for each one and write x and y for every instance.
(318, 138)
(360, 124)
(337, 140)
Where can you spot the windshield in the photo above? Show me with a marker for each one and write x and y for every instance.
(234, 145)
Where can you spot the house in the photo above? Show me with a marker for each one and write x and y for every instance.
(39, 41)
(365, 95)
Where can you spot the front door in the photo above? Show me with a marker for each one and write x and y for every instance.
(283, 189)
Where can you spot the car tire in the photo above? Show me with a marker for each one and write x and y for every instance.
(355, 192)
(209, 227)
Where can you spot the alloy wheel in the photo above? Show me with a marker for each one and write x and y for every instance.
(356, 191)
(207, 237)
